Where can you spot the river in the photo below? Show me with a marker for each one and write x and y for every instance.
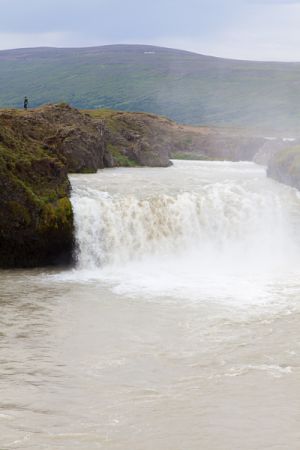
(178, 329)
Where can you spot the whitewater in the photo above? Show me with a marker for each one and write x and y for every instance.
(178, 326)
(198, 230)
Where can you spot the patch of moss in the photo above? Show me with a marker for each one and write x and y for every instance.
(119, 158)
(110, 117)
(289, 158)
(19, 212)
(190, 156)
(55, 215)
(87, 170)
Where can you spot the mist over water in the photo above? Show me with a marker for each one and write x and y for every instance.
(195, 230)
(178, 329)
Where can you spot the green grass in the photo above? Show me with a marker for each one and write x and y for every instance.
(290, 160)
(186, 87)
(285, 167)
(120, 159)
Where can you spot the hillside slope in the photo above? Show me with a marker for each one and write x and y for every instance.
(187, 87)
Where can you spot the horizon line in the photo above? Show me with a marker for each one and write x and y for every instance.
(148, 45)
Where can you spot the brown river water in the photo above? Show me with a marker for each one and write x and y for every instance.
(179, 327)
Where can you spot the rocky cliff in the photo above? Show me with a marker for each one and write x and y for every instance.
(37, 151)
(133, 139)
(36, 221)
(284, 166)
(39, 148)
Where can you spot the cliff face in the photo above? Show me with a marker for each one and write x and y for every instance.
(284, 166)
(36, 221)
(73, 136)
(135, 138)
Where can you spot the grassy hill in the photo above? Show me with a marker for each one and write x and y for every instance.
(187, 87)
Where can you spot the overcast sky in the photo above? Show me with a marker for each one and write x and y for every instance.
(244, 29)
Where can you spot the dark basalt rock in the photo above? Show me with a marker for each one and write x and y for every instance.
(37, 149)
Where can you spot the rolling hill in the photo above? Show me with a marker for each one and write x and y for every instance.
(187, 87)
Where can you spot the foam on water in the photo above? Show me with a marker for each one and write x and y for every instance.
(202, 231)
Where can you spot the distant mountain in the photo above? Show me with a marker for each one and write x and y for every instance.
(184, 86)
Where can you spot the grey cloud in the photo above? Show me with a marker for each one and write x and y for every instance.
(115, 18)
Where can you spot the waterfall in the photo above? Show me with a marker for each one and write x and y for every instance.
(228, 225)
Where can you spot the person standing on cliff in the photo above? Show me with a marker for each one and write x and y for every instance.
(25, 102)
